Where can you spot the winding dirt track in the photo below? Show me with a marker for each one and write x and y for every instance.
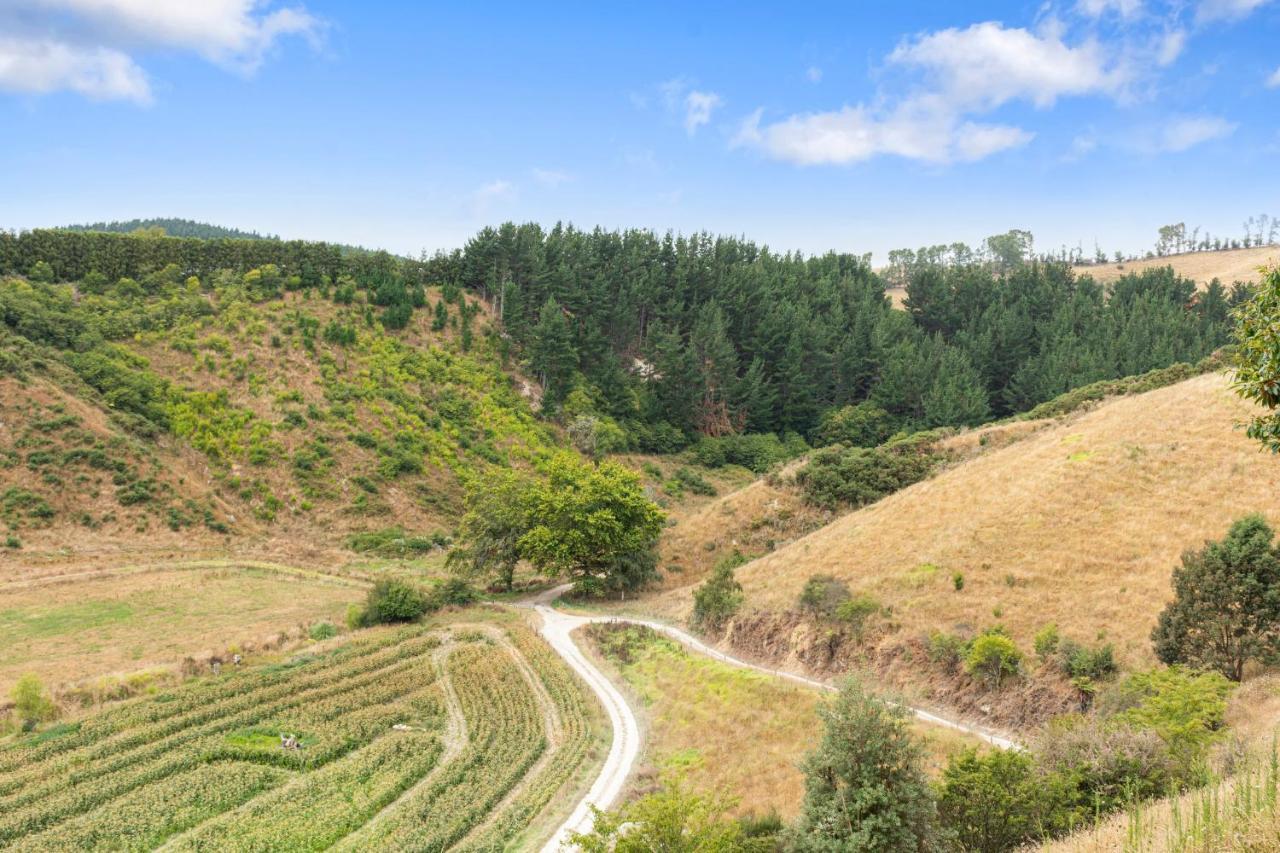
(557, 628)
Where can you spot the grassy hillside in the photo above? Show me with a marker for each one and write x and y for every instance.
(1227, 266)
(166, 412)
(1078, 523)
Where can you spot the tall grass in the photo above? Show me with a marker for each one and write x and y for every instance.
(1226, 815)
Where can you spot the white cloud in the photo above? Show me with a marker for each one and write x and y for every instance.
(969, 72)
(1170, 47)
(698, 107)
(1273, 82)
(1189, 131)
(90, 46)
(988, 64)
(692, 106)
(916, 130)
(41, 66)
(1226, 10)
(1082, 146)
(1097, 8)
(813, 74)
(551, 177)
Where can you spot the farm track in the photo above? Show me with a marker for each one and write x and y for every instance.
(557, 628)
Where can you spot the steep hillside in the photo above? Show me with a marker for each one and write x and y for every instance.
(1078, 523)
(222, 413)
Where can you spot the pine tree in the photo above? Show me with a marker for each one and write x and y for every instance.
(551, 354)
(864, 785)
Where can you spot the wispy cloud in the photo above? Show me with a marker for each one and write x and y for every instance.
(91, 46)
(1209, 11)
(692, 106)
(551, 177)
(1187, 132)
(1273, 82)
(490, 195)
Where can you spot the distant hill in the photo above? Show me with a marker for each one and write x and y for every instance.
(174, 228)
(1228, 266)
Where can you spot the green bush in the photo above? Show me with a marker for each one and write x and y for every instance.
(997, 801)
(31, 703)
(393, 601)
(719, 597)
(395, 542)
(862, 425)
(1185, 709)
(757, 451)
(855, 612)
(1079, 661)
(323, 631)
(454, 591)
(857, 476)
(1046, 642)
(993, 656)
(693, 481)
(822, 595)
(946, 650)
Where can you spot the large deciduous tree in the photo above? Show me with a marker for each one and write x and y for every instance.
(592, 524)
(1226, 607)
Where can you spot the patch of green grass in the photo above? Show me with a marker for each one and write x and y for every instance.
(64, 619)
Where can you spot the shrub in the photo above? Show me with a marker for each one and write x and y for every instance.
(454, 591)
(1046, 642)
(719, 597)
(393, 601)
(997, 801)
(1104, 767)
(862, 425)
(822, 595)
(857, 476)
(957, 580)
(1080, 661)
(945, 649)
(31, 703)
(855, 612)
(355, 617)
(993, 656)
(323, 631)
(1185, 709)
(756, 451)
(395, 542)
(693, 481)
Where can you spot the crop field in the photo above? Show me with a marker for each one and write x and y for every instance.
(471, 736)
(129, 621)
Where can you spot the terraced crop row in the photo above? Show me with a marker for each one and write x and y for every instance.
(409, 742)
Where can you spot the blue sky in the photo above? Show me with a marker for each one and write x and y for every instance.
(852, 126)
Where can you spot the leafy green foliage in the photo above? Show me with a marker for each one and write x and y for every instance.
(395, 542)
(719, 597)
(864, 786)
(1186, 709)
(1257, 360)
(673, 819)
(593, 524)
(1226, 607)
(996, 801)
(861, 425)
(822, 595)
(756, 452)
(993, 657)
(31, 703)
(857, 476)
(393, 601)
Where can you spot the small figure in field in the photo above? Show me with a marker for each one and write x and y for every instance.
(289, 741)
(217, 666)
(236, 660)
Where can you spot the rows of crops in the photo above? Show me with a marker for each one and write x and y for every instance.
(410, 740)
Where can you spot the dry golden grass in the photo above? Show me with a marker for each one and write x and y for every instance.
(69, 631)
(1079, 523)
(735, 730)
(755, 519)
(1228, 266)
